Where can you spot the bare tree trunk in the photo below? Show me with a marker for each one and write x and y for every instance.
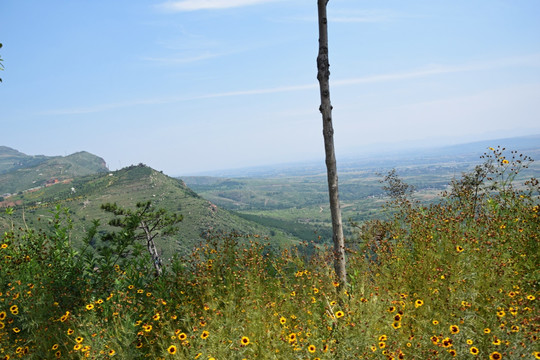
(323, 75)
(151, 246)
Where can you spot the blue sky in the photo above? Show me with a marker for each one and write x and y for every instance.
(200, 85)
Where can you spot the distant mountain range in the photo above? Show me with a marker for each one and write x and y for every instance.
(367, 158)
(19, 172)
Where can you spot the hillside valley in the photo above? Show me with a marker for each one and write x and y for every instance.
(294, 197)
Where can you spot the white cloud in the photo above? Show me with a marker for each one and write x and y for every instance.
(181, 60)
(432, 70)
(191, 5)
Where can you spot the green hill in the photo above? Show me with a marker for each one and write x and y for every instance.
(11, 159)
(20, 172)
(85, 195)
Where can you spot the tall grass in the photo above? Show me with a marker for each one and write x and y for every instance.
(454, 279)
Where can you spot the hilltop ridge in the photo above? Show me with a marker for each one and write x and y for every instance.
(21, 172)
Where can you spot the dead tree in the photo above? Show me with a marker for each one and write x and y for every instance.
(323, 75)
(153, 222)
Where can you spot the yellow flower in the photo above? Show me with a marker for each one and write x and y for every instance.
(514, 328)
(171, 349)
(454, 329)
(474, 350)
(244, 341)
(339, 314)
(64, 317)
(182, 336)
(205, 334)
(111, 352)
(487, 330)
(396, 324)
(418, 303)
(282, 320)
(2, 315)
(495, 356)
(77, 347)
(14, 309)
(513, 311)
(292, 337)
(447, 342)
(79, 339)
(89, 306)
(312, 348)
(459, 249)
(435, 322)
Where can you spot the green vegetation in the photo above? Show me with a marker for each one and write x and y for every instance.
(295, 198)
(454, 278)
(20, 172)
(85, 195)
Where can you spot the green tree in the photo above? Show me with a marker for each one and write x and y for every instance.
(144, 223)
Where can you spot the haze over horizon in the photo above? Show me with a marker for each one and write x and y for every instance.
(192, 86)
